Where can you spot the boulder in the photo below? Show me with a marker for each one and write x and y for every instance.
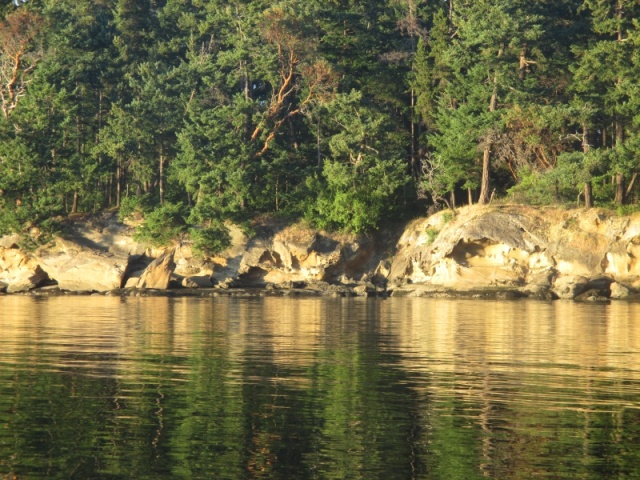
(19, 271)
(365, 289)
(570, 286)
(10, 241)
(593, 295)
(192, 270)
(158, 274)
(619, 291)
(538, 292)
(133, 279)
(201, 281)
(84, 270)
(188, 282)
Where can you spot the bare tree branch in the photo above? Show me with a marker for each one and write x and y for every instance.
(19, 56)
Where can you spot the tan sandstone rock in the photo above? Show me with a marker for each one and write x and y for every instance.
(19, 271)
(158, 273)
(514, 245)
(619, 291)
(85, 270)
(77, 265)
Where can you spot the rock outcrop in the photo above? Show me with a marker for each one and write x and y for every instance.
(19, 271)
(507, 251)
(79, 268)
(277, 256)
(537, 251)
(158, 274)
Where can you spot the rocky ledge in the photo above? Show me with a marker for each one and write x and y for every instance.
(488, 252)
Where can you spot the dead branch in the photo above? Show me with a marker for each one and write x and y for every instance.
(18, 56)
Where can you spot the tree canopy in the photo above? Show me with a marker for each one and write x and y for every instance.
(349, 114)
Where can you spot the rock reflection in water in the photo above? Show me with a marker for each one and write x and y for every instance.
(229, 388)
(542, 389)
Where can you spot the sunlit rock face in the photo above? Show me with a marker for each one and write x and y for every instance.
(158, 274)
(281, 255)
(84, 270)
(545, 252)
(514, 246)
(538, 252)
(476, 248)
(82, 261)
(20, 271)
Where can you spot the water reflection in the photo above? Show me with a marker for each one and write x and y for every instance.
(102, 387)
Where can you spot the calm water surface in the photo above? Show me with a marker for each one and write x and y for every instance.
(279, 388)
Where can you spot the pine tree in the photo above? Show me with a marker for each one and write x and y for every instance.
(603, 77)
(364, 172)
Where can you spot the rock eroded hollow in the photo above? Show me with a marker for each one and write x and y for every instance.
(546, 252)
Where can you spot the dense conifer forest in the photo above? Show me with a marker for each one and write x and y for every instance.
(348, 113)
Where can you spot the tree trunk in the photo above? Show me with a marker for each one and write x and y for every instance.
(161, 174)
(74, 206)
(619, 177)
(634, 177)
(523, 64)
(588, 195)
(413, 158)
(318, 144)
(247, 80)
(470, 196)
(485, 185)
(119, 183)
(588, 188)
(620, 189)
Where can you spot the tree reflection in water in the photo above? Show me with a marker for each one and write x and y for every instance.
(228, 388)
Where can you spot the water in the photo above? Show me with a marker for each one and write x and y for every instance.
(278, 388)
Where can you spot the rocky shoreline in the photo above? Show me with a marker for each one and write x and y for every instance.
(494, 252)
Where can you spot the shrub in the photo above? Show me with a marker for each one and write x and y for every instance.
(163, 225)
(211, 239)
(432, 234)
(131, 205)
(448, 216)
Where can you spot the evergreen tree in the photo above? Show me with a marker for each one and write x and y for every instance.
(328, 109)
(604, 74)
(361, 179)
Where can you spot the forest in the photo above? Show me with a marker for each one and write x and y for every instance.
(345, 113)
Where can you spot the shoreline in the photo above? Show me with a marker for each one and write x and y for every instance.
(501, 252)
(331, 291)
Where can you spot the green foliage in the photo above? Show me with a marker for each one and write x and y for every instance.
(211, 239)
(357, 186)
(448, 216)
(626, 210)
(163, 225)
(535, 188)
(343, 112)
(432, 233)
(133, 204)
(213, 163)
